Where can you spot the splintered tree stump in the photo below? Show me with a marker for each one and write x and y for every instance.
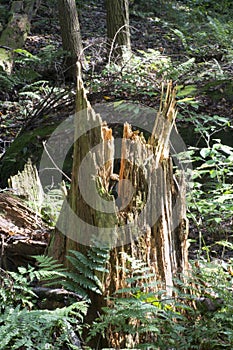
(148, 197)
(27, 185)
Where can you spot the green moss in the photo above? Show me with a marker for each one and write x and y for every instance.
(219, 89)
(15, 34)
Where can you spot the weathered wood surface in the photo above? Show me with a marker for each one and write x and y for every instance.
(27, 185)
(22, 233)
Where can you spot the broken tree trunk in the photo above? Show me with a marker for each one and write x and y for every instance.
(148, 219)
(27, 185)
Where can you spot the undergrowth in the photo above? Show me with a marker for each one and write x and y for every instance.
(194, 313)
(196, 316)
(22, 324)
(210, 192)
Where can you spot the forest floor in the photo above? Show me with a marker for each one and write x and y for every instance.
(149, 31)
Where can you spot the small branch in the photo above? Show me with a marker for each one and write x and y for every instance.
(62, 172)
(113, 42)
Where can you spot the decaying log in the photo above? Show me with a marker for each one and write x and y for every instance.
(22, 232)
(52, 298)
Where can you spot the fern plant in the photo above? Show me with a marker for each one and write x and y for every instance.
(87, 271)
(197, 316)
(41, 329)
(22, 325)
(48, 271)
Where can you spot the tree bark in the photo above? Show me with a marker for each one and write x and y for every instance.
(71, 36)
(118, 31)
(16, 31)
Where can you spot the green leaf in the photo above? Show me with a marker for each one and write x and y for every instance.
(205, 152)
(27, 54)
(213, 173)
(218, 220)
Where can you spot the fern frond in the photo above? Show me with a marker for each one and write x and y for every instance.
(89, 269)
(31, 95)
(84, 282)
(48, 263)
(74, 287)
(84, 271)
(35, 329)
(80, 266)
(45, 275)
(82, 258)
(101, 269)
(49, 270)
(97, 254)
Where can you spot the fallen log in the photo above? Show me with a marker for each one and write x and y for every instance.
(23, 233)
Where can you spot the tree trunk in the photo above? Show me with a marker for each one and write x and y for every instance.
(148, 219)
(118, 27)
(71, 36)
(16, 31)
